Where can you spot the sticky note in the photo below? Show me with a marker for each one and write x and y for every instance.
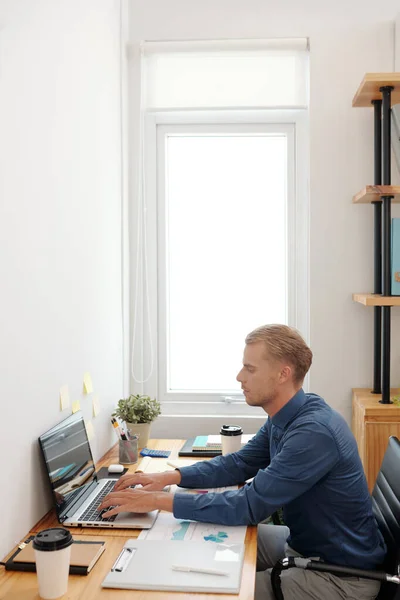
(89, 430)
(76, 406)
(87, 384)
(96, 406)
(64, 397)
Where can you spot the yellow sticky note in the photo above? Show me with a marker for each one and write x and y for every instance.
(64, 397)
(96, 406)
(76, 406)
(87, 384)
(89, 430)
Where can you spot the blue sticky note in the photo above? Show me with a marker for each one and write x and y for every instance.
(200, 441)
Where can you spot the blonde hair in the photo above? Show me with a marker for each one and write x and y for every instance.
(284, 343)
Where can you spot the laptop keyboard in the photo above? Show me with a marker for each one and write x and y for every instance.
(92, 513)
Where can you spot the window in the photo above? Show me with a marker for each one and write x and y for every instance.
(225, 267)
(225, 216)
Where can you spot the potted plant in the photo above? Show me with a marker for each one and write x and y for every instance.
(138, 411)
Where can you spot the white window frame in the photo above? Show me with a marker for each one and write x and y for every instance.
(157, 124)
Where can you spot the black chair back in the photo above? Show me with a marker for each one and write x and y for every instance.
(386, 507)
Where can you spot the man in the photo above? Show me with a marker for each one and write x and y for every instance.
(304, 459)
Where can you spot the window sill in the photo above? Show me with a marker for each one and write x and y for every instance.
(187, 426)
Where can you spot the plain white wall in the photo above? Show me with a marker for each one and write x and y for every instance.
(60, 233)
(347, 40)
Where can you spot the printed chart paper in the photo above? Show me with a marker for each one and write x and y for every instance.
(167, 527)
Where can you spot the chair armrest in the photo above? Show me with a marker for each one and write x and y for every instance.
(316, 565)
(275, 518)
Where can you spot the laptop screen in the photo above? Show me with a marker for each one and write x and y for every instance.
(68, 459)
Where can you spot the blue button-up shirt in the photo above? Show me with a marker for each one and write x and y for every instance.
(304, 459)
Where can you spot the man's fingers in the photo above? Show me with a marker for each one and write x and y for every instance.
(114, 511)
(115, 498)
(150, 487)
(126, 481)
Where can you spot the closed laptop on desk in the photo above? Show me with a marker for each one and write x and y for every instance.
(77, 491)
(178, 567)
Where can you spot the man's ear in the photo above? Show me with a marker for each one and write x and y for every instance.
(285, 374)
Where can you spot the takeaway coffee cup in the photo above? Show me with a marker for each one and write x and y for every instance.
(231, 438)
(52, 554)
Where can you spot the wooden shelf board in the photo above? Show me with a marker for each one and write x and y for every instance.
(369, 88)
(376, 300)
(374, 193)
(371, 405)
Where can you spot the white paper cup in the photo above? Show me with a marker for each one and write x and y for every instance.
(231, 438)
(52, 553)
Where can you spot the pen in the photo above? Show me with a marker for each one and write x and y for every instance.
(117, 428)
(126, 433)
(198, 570)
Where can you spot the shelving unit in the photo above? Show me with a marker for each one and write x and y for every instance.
(375, 417)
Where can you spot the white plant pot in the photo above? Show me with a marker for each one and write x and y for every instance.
(142, 430)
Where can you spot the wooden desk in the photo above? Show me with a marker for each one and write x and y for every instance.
(15, 585)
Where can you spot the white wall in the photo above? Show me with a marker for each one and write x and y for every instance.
(347, 40)
(60, 233)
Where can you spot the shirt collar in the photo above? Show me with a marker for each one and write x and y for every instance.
(287, 412)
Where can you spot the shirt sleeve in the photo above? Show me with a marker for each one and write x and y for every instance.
(293, 471)
(230, 469)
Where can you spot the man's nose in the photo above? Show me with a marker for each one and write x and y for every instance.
(239, 376)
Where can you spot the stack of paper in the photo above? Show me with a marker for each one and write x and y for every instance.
(178, 489)
(213, 442)
(167, 527)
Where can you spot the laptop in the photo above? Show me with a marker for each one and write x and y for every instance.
(77, 491)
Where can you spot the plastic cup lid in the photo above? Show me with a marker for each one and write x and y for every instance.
(231, 430)
(52, 539)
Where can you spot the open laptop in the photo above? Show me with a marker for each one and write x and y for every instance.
(77, 491)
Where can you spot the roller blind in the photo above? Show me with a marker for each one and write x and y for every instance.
(228, 74)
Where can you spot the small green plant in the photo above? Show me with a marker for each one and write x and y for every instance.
(396, 400)
(137, 409)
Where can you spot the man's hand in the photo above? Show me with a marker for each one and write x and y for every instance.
(151, 482)
(137, 500)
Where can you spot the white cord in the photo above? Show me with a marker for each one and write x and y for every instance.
(141, 248)
(121, 91)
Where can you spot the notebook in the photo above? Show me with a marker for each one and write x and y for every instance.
(181, 567)
(84, 555)
(207, 445)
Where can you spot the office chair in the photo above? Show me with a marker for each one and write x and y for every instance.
(386, 508)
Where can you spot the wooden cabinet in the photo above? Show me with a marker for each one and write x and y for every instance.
(373, 423)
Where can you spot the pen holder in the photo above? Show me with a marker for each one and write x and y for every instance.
(128, 451)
